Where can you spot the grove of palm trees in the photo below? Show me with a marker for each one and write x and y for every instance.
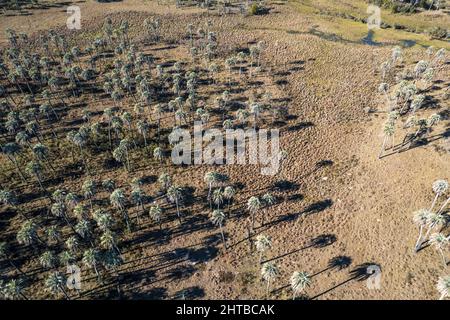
(93, 204)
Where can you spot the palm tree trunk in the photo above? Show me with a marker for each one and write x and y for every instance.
(382, 147)
(444, 205)
(443, 257)
(434, 201)
(223, 237)
(419, 239)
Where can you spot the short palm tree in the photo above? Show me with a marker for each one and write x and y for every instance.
(443, 286)
(267, 200)
(211, 178)
(299, 282)
(218, 218)
(89, 190)
(165, 181)
(72, 244)
(434, 220)
(269, 272)
(218, 197)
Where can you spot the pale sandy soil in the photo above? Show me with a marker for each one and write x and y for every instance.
(363, 204)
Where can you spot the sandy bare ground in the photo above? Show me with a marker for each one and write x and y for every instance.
(354, 206)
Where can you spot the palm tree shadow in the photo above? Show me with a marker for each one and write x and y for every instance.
(360, 273)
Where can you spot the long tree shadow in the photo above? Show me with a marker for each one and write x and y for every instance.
(318, 242)
(360, 273)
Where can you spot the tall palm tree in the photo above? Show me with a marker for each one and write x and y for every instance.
(253, 205)
(299, 282)
(421, 219)
(137, 197)
(443, 287)
(118, 200)
(56, 282)
(155, 213)
(165, 181)
(158, 154)
(175, 195)
(262, 243)
(211, 178)
(434, 220)
(103, 219)
(89, 189)
(269, 272)
(228, 193)
(91, 260)
(217, 198)
(440, 242)
(267, 200)
(218, 218)
(143, 127)
(439, 187)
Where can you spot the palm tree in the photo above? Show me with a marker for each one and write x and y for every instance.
(66, 258)
(439, 187)
(388, 130)
(55, 283)
(228, 193)
(89, 190)
(155, 213)
(53, 234)
(165, 181)
(443, 287)
(441, 242)
(218, 218)
(137, 197)
(434, 220)
(47, 260)
(175, 194)
(299, 282)
(27, 233)
(217, 198)
(143, 128)
(103, 219)
(421, 219)
(118, 200)
(269, 272)
(35, 169)
(211, 178)
(83, 229)
(253, 205)
(158, 154)
(108, 241)
(91, 260)
(267, 200)
(262, 243)
(72, 244)
(14, 289)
